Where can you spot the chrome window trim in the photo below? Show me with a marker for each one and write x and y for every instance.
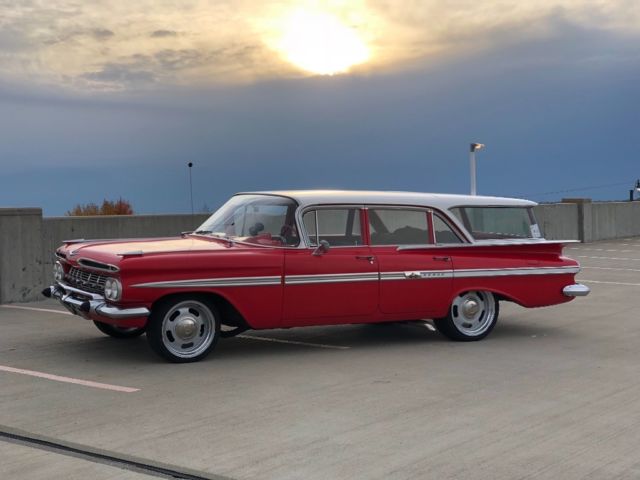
(426, 210)
(452, 226)
(463, 228)
(305, 237)
(295, 219)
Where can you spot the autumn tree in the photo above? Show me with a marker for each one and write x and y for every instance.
(109, 207)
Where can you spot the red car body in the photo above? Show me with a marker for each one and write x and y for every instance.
(265, 280)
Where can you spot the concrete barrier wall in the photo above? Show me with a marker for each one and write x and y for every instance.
(558, 221)
(56, 229)
(27, 241)
(20, 254)
(611, 220)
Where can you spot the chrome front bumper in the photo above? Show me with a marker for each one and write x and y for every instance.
(88, 304)
(576, 290)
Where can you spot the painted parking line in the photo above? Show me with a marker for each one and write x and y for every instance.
(609, 258)
(293, 342)
(611, 268)
(251, 337)
(48, 310)
(603, 250)
(75, 381)
(610, 283)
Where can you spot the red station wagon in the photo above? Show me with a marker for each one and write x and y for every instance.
(299, 258)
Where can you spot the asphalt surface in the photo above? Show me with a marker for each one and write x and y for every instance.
(551, 393)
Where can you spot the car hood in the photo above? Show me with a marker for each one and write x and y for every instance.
(113, 251)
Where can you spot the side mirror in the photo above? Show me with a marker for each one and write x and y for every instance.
(322, 248)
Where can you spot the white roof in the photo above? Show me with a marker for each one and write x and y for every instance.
(364, 197)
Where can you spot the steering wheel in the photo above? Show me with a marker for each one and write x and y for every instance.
(256, 229)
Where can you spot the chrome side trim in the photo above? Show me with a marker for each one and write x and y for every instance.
(484, 243)
(576, 290)
(355, 277)
(417, 275)
(471, 273)
(213, 282)
(331, 278)
(503, 272)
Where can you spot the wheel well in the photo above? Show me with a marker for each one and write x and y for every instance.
(497, 295)
(230, 314)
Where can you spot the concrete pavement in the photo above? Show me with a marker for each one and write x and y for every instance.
(551, 393)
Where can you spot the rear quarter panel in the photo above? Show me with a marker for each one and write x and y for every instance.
(528, 290)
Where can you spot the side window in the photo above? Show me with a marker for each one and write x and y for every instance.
(444, 233)
(338, 226)
(398, 226)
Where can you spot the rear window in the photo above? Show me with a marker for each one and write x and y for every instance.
(485, 223)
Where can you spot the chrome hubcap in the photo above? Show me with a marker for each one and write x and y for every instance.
(473, 313)
(188, 329)
(470, 308)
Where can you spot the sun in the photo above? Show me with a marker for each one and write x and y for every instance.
(320, 43)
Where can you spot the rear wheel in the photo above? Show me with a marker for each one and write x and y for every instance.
(472, 316)
(119, 332)
(183, 329)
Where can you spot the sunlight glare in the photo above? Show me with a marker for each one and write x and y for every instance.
(321, 43)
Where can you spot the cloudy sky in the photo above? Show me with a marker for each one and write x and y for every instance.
(113, 98)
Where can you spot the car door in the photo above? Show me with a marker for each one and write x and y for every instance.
(335, 284)
(415, 277)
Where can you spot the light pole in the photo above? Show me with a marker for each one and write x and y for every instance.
(636, 189)
(473, 147)
(190, 165)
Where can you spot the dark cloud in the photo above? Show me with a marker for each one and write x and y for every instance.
(163, 34)
(102, 33)
(119, 74)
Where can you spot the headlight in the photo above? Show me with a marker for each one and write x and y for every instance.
(58, 272)
(112, 289)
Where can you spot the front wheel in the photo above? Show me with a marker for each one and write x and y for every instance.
(183, 329)
(119, 332)
(471, 317)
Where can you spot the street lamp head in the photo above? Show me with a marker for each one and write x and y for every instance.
(190, 164)
(476, 146)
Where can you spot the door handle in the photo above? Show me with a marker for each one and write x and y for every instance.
(442, 259)
(368, 258)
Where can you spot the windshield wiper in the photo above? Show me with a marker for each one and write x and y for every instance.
(222, 236)
(210, 233)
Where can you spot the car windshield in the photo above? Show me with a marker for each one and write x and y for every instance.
(260, 219)
(488, 223)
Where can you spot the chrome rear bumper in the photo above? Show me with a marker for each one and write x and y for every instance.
(576, 290)
(88, 304)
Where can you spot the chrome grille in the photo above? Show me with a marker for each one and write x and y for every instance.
(87, 281)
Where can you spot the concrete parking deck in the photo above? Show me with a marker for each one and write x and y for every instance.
(551, 393)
